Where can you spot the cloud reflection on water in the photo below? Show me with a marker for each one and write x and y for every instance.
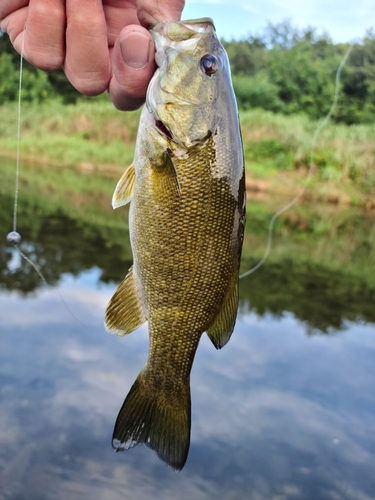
(276, 414)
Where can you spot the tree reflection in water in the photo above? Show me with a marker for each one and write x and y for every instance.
(322, 298)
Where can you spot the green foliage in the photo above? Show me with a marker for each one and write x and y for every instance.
(291, 71)
(344, 156)
(247, 57)
(90, 132)
(36, 85)
(257, 92)
(270, 149)
(304, 85)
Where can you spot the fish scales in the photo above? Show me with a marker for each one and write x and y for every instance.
(186, 220)
(178, 276)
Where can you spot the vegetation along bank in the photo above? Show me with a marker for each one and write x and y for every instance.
(284, 81)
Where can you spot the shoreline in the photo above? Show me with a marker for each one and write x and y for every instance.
(283, 184)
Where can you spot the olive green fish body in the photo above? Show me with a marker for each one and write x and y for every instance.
(186, 224)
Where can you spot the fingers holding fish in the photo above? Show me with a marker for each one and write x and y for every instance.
(89, 53)
(52, 33)
(133, 53)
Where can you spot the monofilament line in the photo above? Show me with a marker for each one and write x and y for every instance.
(18, 139)
(309, 174)
(14, 238)
(39, 272)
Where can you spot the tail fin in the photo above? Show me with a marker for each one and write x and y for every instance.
(159, 421)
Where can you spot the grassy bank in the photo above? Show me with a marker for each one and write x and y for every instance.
(93, 135)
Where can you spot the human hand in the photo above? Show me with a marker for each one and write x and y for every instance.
(102, 44)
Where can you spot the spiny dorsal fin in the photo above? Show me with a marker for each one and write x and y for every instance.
(125, 310)
(124, 189)
(222, 327)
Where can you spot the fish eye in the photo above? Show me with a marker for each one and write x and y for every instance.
(209, 64)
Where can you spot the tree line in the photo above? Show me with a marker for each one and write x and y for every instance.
(283, 70)
(286, 70)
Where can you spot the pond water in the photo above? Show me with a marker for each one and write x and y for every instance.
(285, 411)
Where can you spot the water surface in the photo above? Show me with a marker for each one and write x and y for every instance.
(285, 411)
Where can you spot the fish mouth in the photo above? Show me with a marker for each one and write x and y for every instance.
(163, 129)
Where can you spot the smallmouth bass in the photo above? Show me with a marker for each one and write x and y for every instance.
(186, 189)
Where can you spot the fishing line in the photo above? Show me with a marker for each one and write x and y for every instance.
(310, 172)
(14, 238)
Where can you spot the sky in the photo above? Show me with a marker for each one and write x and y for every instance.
(343, 20)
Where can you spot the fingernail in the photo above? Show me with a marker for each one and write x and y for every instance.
(135, 49)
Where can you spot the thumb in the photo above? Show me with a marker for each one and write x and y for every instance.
(132, 67)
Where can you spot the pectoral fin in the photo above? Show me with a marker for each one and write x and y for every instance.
(222, 327)
(125, 310)
(124, 189)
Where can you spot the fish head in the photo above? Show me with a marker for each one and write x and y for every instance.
(192, 68)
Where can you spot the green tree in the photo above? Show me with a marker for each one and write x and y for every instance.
(305, 84)
(293, 71)
(37, 85)
(357, 101)
(247, 57)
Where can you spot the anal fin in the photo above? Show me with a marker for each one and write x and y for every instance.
(125, 310)
(222, 327)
